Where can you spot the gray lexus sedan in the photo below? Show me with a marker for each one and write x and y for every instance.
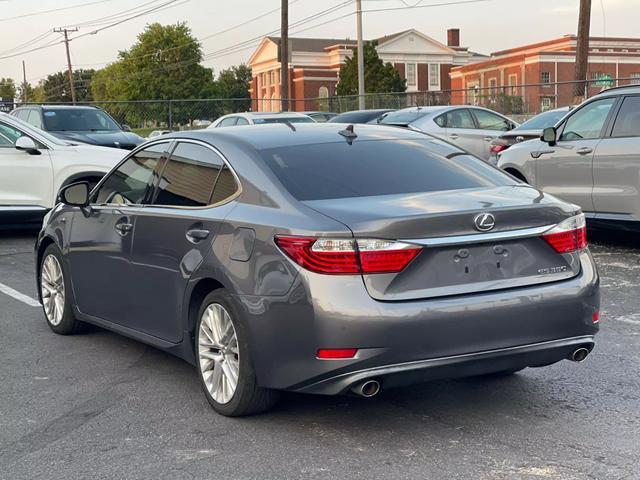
(320, 258)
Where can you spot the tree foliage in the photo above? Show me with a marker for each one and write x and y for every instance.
(7, 89)
(379, 77)
(55, 88)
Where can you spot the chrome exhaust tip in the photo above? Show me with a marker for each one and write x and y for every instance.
(367, 389)
(579, 354)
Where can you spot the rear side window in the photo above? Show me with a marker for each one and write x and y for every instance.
(195, 176)
(460, 118)
(628, 120)
(375, 167)
(490, 121)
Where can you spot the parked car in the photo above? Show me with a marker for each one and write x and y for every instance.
(321, 117)
(275, 258)
(529, 130)
(157, 133)
(34, 165)
(589, 158)
(257, 118)
(361, 116)
(471, 128)
(79, 123)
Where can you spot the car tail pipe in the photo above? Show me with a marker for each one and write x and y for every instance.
(580, 354)
(367, 388)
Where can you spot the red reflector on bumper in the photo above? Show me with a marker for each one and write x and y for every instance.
(596, 316)
(335, 353)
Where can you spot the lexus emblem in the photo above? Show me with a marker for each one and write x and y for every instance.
(484, 222)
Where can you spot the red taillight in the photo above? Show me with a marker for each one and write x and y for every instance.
(497, 148)
(336, 353)
(596, 316)
(568, 236)
(336, 256)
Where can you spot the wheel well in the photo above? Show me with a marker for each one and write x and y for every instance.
(201, 290)
(516, 173)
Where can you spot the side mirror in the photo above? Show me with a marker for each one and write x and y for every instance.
(28, 145)
(76, 194)
(126, 128)
(549, 135)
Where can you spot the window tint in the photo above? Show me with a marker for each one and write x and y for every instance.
(587, 122)
(460, 118)
(8, 135)
(490, 121)
(34, 119)
(190, 177)
(132, 181)
(628, 121)
(242, 121)
(228, 122)
(375, 167)
(77, 119)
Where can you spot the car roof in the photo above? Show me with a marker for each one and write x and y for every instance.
(622, 90)
(63, 107)
(268, 114)
(276, 135)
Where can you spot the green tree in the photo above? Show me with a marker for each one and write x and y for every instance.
(56, 86)
(379, 77)
(234, 83)
(7, 89)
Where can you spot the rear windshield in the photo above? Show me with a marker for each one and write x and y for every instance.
(544, 120)
(284, 120)
(403, 117)
(375, 167)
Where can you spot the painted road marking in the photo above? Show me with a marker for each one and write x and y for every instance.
(18, 296)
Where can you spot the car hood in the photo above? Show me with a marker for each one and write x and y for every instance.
(114, 139)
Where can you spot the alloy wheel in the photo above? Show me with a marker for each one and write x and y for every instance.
(52, 289)
(218, 353)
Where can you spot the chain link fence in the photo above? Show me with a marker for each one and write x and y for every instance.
(517, 101)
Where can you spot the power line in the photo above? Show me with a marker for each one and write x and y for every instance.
(42, 12)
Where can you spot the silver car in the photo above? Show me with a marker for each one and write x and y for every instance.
(259, 118)
(471, 128)
(590, 158)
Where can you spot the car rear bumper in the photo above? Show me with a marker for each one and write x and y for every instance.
(406, 342)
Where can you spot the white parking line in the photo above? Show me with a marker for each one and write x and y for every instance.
(19, 296)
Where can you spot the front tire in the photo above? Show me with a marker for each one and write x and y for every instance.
(55, 293)
(224, 361)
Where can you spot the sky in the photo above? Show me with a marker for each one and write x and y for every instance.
(486, 26)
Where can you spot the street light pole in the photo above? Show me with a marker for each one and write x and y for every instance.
(360, 46)
(582, 52)
(284, 55)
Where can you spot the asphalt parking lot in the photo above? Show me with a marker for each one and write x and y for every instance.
(98, 405)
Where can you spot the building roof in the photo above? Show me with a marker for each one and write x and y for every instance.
(314, 44)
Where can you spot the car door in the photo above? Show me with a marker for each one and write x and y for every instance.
(489, 127)
(461, 130)
(566, 168)
(174, 233)
(100, 239)
(616, 165)
(26, 178)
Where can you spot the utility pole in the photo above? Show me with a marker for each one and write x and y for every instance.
(24, 83)
(361, 103)
(66, 31)
(582, 52)
(284, 55)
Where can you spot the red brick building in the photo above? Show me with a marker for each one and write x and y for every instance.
(315, 63)
(531, 72)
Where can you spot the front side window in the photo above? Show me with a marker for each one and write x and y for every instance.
(195, 176)
(587, 122)
(628, 120)
(131, 183)
(8, 135)
(460, 118)
(490, 121)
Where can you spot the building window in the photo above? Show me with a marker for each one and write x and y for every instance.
(625, 50)
(596, 50)
(513, 84)
(323, 92)
(411, 74)
(493, 84)
(273, 77)
(545, 78)
(635, 78)
(434, 76)
(546, 103)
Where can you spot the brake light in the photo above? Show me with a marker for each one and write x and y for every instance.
(497, 148)
(336, 353)
(569, 235)
(336, 256)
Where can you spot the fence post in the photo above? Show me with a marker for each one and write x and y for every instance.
(170, 109)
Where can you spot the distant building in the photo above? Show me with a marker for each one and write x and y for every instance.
(315, 63)
(531, 72)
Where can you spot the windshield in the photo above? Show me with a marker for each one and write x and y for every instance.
(403, 117)
(284, 120)
(78, 120)
(375, 167)
(544, 120)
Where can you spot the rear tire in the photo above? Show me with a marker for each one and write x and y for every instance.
(224, 361)
(55, 290)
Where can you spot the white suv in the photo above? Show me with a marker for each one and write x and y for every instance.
(35, 165)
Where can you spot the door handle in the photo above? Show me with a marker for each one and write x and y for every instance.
(489, 139)
(453, 136)
(584, 151)
(197, 235)
(123, 228)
